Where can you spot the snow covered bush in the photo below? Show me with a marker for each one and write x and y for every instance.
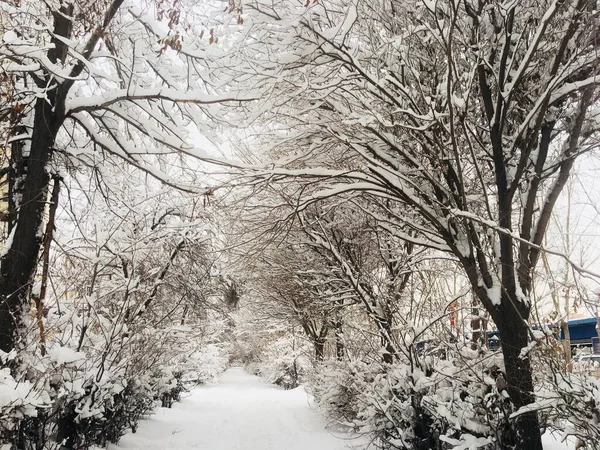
(22, 406)
(99, 382)
(283, 362)
(71, 399)
(453, 401)
(568, 402)
(114, 343)
(204, 364)
(577, 409)
(338, 388)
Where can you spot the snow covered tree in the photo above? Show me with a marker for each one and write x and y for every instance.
(469, 114)
(94, 78)
(132, 310)
(373, 269)
(297, 293)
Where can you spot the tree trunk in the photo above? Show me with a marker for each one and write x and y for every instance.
(567, 345)
(388, 348)
(388, 355)
(47, 242)
(476, 325)
(524, 433)
(319, 350)
(19, 263)
(339, 340)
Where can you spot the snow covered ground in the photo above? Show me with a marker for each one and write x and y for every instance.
(244, 413)
(554, 441)
(241, 412)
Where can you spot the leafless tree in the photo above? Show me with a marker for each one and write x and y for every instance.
(89, 79)
(469, 114)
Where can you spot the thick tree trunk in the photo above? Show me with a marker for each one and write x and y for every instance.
(20, 260)
(525, 430)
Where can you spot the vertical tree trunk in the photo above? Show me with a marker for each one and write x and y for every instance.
(48, 236)
(20, 258)
(16, 171)
(19, 262)
(318, 338)
(339, 340)
(476, 325)
(514, 332)
(567, 345)
(319, 350)
(382, 316)
(385, 332)
(567, 242)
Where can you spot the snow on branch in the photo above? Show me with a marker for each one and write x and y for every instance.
(75, 105)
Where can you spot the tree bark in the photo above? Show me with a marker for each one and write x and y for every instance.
(20, 260)
(476, 328)
(339, 340)
(524, 434)
(385, 332)
(48, 236)
(319, 350)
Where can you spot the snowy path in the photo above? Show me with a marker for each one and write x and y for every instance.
(239, 413)
(243, 413)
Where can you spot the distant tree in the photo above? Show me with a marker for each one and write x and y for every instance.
(294, 286)
(373, 267)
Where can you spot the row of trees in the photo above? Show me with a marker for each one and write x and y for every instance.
(389, 336)
(391, 141)
(450, 128)
(110, 294)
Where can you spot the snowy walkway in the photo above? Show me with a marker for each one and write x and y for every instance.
(239, 413)
(243, 413)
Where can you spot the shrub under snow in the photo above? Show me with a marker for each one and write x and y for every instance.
(283, 362)
(451, 400)
(433, 402)
(81, 399)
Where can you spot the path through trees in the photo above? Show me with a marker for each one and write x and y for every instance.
(241, 412)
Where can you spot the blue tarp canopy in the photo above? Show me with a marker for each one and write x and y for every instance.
(581, 330)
